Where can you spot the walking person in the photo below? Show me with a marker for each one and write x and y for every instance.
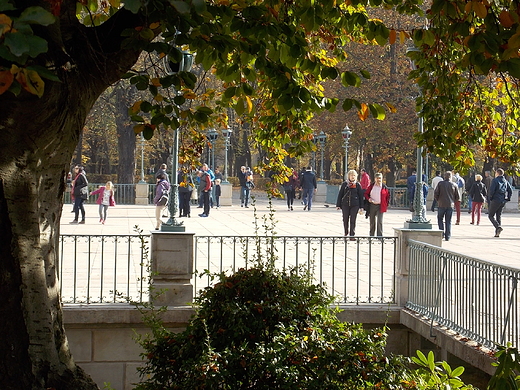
(459, 181)
(500, 192)
(244, 187)
(378, 197)
(162, 191)
(446, 194)
(217, 190)
(186, 187)
(478, 194)
(435, 181)
(290, 189)
(350, 201)
(205, 189)
(80, 191)
(309, 186)
(104, 200)
(365, 180)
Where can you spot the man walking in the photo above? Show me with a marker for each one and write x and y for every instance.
(309, 185)
(500, 192)
(446, 194)
(436, 180)
(204, 188)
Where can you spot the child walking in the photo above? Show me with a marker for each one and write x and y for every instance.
(105, 198)
(218, 192)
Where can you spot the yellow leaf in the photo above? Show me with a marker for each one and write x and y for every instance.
(115, 3)
(136, 107)
(155, 25)
(402, 37)
(5, 24)
(363, 112)
(392, 37)
(467, 7)
(158, 98)
(288, 75)
(189, 95)
(31, 81)
(249, 104)
(514, 41)
(391, 107)
(138, 129)
(480, 9)
(6, 79)
(155, 82)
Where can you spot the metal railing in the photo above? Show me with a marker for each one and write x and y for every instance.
(103, 268)
(477, 299)
(123, 193)
(357, 271)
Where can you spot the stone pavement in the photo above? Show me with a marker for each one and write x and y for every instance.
(322, 220)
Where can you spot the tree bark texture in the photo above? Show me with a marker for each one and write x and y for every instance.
(37, 140)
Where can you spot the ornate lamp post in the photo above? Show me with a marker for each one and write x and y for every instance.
(212, 136)
(142, 161)
(346, 133)
(172, 225)
(322, 138)
(227, 135)
(418, 220)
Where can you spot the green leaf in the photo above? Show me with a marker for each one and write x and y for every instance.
(148, 132)
(133, 5)
(17, 43)
(5, 5)
(36, 15)
(350, 79)
(347, 104)
(181, 6)
(44, 72)
(365, 74)
(377, 111)
(458, 371)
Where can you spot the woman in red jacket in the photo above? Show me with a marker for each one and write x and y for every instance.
(378, 197)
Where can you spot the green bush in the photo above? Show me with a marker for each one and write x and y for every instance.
(266, 329)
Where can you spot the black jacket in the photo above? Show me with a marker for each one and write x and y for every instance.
(478, 192)
(350, 196)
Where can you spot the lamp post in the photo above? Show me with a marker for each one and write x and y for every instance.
(346, 133)
(322, 138)
(142, 161)
(212, 136)
(227, 135)
(172, 225)
(418, 220)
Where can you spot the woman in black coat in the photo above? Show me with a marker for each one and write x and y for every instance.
(350, 201)
(478, 195)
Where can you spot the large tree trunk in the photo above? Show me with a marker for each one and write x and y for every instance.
(126, 136)
(37, 139)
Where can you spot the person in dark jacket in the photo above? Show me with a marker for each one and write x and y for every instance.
(309, 186)
(80, 193)
(378, 197)
(446, 194)
(500, 192)
(350, 201)
(478, 194)
(290, 187)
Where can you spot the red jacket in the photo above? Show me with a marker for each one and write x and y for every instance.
(385, 196)
(100, 191)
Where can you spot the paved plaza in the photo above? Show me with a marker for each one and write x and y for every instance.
(322, 220)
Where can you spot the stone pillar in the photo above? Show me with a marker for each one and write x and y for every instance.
(512, 205)
(172, 267)
(226, 197)
(141, 193)
(428, 236)
(321, 193)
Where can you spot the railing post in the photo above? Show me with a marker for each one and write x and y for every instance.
(141, 193)
(172, 268)
(429, 236)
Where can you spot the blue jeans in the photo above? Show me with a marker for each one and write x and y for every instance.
(244, 195)
(444, 219)
(307, 197)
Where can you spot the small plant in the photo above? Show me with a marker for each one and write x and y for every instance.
(506, 376)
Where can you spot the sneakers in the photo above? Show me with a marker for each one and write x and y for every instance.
(82, 222)
(291, 208)
(498, 231)
(203, 215)
(75, 222)
(100, 219)
(304, 207)
(103, 222)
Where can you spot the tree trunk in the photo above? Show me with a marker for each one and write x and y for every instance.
(125, 140)
(37, 140)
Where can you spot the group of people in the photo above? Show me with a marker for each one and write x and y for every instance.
(448, 196)
(204, 188)
(80, 193)
(355, 196)
(306, 183)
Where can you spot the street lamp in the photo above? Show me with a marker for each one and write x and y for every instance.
(212, 136)
(142, 160)
(346, 133)
(172, 225)
(322, 138)
(227, 135)
(418, 220)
